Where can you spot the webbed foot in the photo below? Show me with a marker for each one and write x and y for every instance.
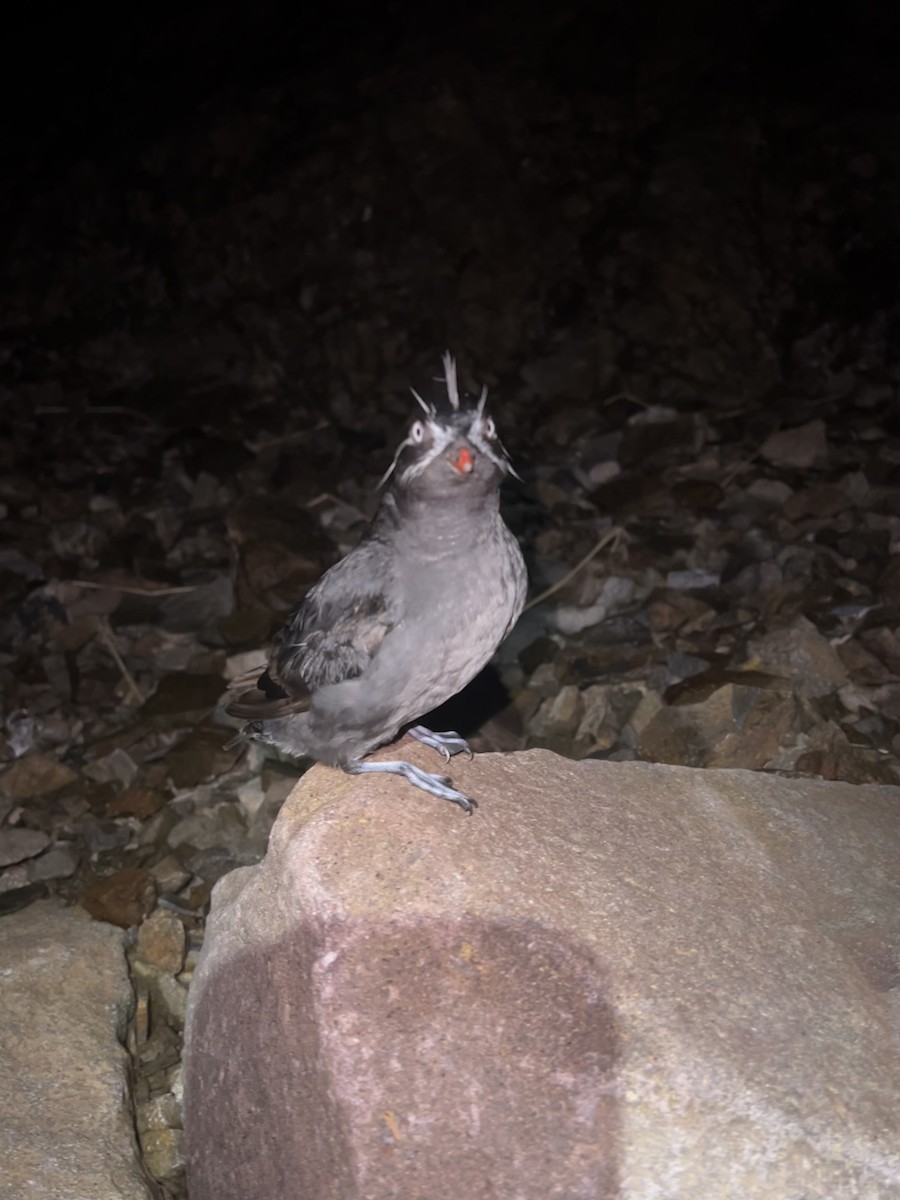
(435, 785)
(448, 743)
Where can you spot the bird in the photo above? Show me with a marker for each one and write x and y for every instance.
(410, 615)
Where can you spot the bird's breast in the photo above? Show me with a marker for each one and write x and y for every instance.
(458, 608)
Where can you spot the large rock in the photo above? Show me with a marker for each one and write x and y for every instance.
(66, 1129)
(614, 980)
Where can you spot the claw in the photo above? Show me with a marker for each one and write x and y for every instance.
(435, 785)
(448, 743)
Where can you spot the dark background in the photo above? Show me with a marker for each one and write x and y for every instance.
(480, 136)
(267, 221)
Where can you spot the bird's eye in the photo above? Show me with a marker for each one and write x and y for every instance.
(490, 429)
(417, 432)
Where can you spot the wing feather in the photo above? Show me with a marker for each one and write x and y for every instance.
(321, 643)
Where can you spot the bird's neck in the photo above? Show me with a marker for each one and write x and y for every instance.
(463, 520)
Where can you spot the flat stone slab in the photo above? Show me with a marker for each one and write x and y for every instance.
(66, 1129)
(614, 980)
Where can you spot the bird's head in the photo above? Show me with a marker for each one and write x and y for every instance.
(452, 449)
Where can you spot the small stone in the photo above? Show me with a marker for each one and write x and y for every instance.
(559, 716)
(211, 864)
(648, 706)
(198, 896)
(693, 580)
(669, 609)
(770, 491)
(251, 797)
(830, 755)
(219, 826)
(798, 448)
(124, 898)
(35, 775)
(863, 667)
(22, 728)
(140, 802)
(170, 875)
(800, 653)
(163, 1151)
(162, 1112)
(97, 796)
(13, 879)
(167, 996)
(681, 666)
(615, 594)
(545, 679)
(603, 472)
(885, 644)
(116, 767)
(159, 1053)
(18, 844)
(60, 862)
(102, 836)
(202, 755)
(819, 500)
(160, 941)
(737, 725)
(596, 710)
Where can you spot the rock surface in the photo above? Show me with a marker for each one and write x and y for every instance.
(65, 1124)
(615, 980)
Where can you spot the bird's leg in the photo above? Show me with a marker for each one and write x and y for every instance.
(448, 743)
(436, 785)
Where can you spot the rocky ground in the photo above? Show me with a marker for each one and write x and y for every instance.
(681, 293)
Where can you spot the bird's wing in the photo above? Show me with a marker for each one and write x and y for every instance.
(334, 641)
(331, 636)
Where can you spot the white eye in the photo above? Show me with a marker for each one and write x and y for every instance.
(490, 429)
(417, 432)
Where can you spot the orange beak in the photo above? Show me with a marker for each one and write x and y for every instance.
(464, 461)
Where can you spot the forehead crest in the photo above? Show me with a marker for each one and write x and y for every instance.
(451, 383)
(450, 380)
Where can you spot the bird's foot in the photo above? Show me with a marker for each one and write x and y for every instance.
(436, 785)
(448, 743)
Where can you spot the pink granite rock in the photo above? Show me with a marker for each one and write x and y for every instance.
(616, 979)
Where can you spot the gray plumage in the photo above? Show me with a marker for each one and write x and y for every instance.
(410, 615)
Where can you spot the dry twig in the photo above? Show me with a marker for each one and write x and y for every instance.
(613, 535)
(106, 637)
(131, 590)
(737, 468)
